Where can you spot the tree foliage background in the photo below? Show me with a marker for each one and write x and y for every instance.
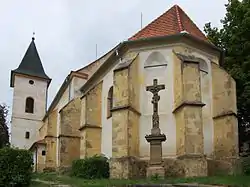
(234, 38)
(4, 134)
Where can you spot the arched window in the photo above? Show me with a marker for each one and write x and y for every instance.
(29, 105)
(110, 102)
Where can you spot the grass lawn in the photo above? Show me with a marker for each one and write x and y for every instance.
(78, 182)
(38, 184)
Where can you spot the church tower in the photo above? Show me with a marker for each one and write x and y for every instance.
(30, 84)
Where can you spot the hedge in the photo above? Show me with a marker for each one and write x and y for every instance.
(15, 167)
(95, 167)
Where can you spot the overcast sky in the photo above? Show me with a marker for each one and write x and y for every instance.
(67, 31)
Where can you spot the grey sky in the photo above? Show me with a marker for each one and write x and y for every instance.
(67, 31)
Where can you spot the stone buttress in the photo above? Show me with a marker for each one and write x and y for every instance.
(125, 119)
(69, 135)
(188, 115)
(91, 127)
(225, 121)
(51, 141)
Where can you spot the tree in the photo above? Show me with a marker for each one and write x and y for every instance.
(4, 134)
(234, 39)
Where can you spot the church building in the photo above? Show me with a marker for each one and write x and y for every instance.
(157, 102)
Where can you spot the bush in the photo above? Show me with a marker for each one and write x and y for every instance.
(15, 167)
(95, 167)
(246, 165)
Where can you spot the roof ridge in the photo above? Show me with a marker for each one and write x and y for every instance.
(173, 21)
(191, 21)
(180, 26)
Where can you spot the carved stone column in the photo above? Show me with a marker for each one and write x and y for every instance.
(188, 115)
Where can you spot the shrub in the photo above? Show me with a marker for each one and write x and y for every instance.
(246, 165)
(15, 167)
(95, 167)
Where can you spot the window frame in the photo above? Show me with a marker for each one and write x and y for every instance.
(27, 135)
(110, 102)
(29, 105)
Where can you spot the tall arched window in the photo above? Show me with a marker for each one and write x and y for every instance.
(110, 102)
(29, 105)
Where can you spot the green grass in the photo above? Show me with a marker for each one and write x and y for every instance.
(78, 182)
(38, 184)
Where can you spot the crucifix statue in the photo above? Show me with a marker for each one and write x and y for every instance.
(155, 138)
(154, 89)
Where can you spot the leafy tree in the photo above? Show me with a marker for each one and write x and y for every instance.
(4, 134)
(234, 38)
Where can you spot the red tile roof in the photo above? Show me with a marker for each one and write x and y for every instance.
(174, 21)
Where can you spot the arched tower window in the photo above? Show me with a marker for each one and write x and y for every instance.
(29, 105)
(110, 102)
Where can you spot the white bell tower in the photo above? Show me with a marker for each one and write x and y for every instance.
(30, 84)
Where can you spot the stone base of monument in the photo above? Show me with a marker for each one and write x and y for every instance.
(158, 171)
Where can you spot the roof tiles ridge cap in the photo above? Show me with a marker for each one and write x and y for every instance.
(191, 20)
(178, 18)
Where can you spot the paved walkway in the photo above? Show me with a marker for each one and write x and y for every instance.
(52, 184)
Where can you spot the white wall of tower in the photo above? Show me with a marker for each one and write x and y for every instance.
(21, 121)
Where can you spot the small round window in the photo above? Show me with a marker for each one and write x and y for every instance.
(31, 81)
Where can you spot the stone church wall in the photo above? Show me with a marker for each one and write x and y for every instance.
(91, 124)
(69, 134)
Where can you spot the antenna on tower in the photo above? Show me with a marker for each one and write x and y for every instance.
(141, 20)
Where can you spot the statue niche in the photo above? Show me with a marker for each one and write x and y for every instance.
(155, 59)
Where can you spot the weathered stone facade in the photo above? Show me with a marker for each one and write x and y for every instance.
(125, 118)
(226, 152)
(91, 126)
(69, 134)
(188, 113)
(51, 140)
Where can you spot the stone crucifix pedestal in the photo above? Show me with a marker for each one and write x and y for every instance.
(155, 138)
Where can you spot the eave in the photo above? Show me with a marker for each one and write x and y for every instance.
(123, 47)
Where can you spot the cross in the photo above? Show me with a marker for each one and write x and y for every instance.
(33, 38)
(154, 89)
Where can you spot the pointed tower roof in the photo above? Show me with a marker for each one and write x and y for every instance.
(174, 21)
(31, 64)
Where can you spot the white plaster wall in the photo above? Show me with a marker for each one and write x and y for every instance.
(106, 146)
(167, 121)
(21, 121)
